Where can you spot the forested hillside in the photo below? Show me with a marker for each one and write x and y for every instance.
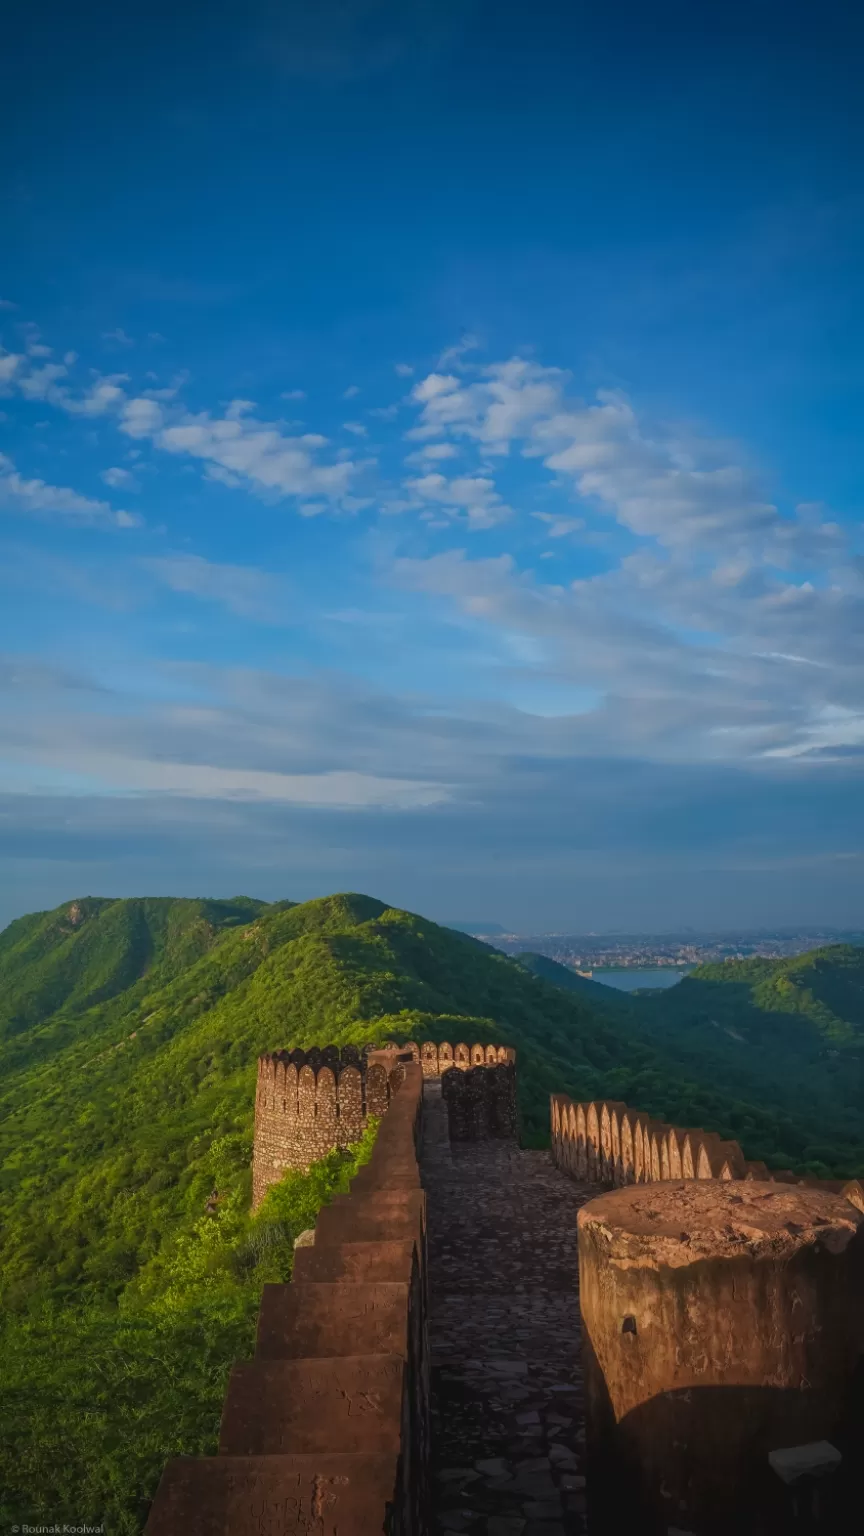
(129, 1036)
(789, 1032)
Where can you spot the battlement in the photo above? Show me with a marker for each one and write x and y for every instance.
(481, 1102)
(604, 1142)
(307, 1102)
(438, 1059)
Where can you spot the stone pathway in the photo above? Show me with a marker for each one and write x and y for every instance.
(507, 1430)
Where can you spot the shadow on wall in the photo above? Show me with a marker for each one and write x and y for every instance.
(696, 1433)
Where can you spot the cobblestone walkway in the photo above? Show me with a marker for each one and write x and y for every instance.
(504, 1331)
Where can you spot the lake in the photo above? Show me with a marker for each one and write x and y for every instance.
(629, 980)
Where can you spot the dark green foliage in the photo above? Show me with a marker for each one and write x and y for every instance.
(789, 1033)
(130, 1269)
(571, 981)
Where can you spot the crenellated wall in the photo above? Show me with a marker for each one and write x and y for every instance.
(309, 1101)
(604, 1142)
(437, 1059)
(481, 1102)
(327, 1428)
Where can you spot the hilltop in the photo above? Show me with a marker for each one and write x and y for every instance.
(129, 1033)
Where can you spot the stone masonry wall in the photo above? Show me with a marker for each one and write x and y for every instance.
(437, 1059)
(308, 1102)
(481, 1102)
(326, 1429)
(607, 1143)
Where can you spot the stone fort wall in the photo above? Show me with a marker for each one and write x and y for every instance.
(604, 1142)
(481, 1102)
(326, 1429)
(308, 1102)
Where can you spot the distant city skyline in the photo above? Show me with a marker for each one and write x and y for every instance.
(430, 458)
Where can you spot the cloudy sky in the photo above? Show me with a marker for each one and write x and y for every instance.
(430, 457)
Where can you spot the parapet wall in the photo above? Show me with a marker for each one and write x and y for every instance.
(604, 1142)
(327, 1428)
(481, 1102)
(309, 1101)
(438, 1059)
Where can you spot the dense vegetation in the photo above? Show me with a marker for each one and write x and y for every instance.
(129, 1030)
(786, 1032)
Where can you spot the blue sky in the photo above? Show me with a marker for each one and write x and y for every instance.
(431, 458)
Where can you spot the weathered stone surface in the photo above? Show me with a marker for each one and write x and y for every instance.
(275, 1407)
(481, 1102)
(260, 1495)
(305, 1321)
(721, 1315)
(360, 1262)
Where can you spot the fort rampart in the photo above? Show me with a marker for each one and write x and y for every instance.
(326, 1429)
(481, 1102)
(308, 1102)
(604, 1142)
(720, 1327)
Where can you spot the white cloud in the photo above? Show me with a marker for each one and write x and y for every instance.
(454, 355)
(660, 485)
(493, 411)
(356, 427)
(432, 453)
(142, 418)
(475, 495)
(7, 304)
(559, 527)
(350, 392)
(120, 479)
(404, 370)
(38, 499)
(119, 336)
(256, 452)
(10, 363)
(41, 383)
(244, 590)
(293, 394)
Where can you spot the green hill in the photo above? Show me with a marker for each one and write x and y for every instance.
(786, 1032)
(129, 1032)
(570, 980)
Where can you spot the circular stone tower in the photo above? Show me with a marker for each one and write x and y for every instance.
(723, 1321)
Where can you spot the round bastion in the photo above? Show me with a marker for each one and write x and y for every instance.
(722, 1320)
